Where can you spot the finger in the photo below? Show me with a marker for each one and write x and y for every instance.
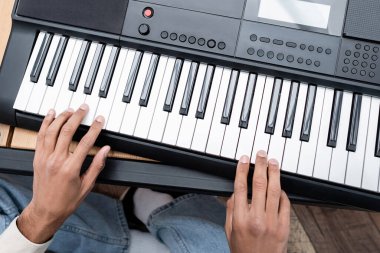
(54, 129)
(97, 165)
(259, 183)
(274, 190)
(229, 215)
(284, 210)
(88, 140)
(241, 187)
(69, 129)
(43, 129)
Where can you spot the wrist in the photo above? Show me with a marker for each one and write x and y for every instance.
(35, 227)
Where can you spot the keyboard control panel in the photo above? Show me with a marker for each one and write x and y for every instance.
(359, 60)
(288, 47)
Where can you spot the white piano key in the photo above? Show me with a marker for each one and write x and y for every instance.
(186, 132)
(215, 139)
(93, 100)
(277, 142)
(262, 139)
(355, 164)
(309, 149)
(232, 132)
(39, 88)
(203, 126)
(105, 104)
(132, 111)
(293, 144)
(247, 136)
(323, 155)
(79, 96)
(175, 118)
(52, 92)
(118, 107)
(371, 168)
(26, 87)
(340, 154)
(157, 128)
(64, 97)
(146, 113)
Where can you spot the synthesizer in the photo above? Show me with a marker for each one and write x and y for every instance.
(200, 83)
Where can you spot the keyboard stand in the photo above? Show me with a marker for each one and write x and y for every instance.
(154, 175)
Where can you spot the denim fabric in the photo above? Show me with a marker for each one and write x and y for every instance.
(99, 224)
(191, 224)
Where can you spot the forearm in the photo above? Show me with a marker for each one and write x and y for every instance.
(13, 241)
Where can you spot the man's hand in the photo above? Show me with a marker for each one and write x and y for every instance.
(263, 225)
(58, 186)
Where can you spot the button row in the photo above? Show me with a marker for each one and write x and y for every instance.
(290, 44)
(365, 56)
(367, 48)
(355, 71)
(192, 40)
(281, 57)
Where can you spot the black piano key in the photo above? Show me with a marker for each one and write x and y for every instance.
(230, 97)
(202, 104)
(291, 110)
(354, 123)
(78, 69)
(248, 100)
(132, 77)
(56, 63)
(110, 69)
(41, 57)
(94, 68)
(172, 90)
(308, 113)
(335, 119)
(188, 93)
(377, 151)
(273, 109)
(148, 83)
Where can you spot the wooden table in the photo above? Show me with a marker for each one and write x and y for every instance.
(313, 229)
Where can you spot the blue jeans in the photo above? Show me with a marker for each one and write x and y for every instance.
(191, 223)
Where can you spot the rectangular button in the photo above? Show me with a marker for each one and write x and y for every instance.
(185, 105)
(229, 103)
(145, 94)
(94, 69)
(273, 109)
(53, 71)
(202, 104)
(104, 87)
(309, 113)
(248, 100)
(354, 123)
(78, 69)
(170, 96)
(40, 60)
(132, 77)
(335, 118)
(291, 110)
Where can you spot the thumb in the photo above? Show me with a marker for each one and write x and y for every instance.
(97, 165)
(229, 215)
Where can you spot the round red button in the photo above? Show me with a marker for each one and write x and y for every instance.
(148, 12)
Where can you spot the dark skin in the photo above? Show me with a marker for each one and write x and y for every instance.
(59, 189)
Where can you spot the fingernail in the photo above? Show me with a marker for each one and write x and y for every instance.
(273, 162)
(262, 153)
(51, 112)
(70, 110)
(84, 107)
(100, 119)
(244, 159)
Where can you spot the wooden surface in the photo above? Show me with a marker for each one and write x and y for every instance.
(313, 229)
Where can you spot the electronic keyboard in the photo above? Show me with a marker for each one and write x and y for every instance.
(199, 83)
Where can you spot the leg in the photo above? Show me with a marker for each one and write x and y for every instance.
(99, 224)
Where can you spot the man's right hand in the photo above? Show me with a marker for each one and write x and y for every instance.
(262, 226)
